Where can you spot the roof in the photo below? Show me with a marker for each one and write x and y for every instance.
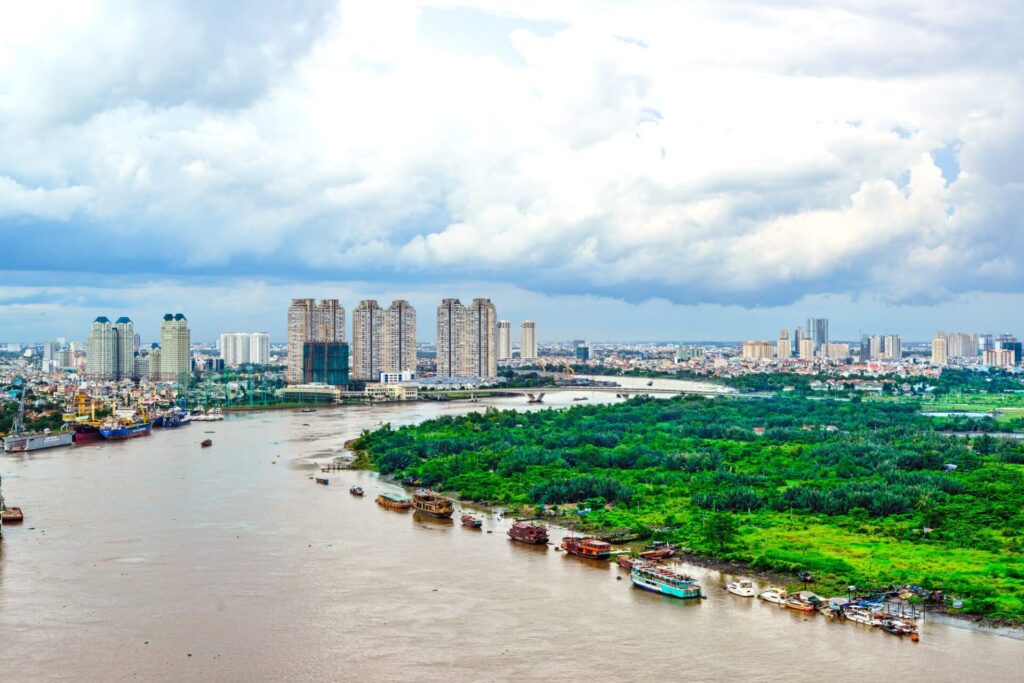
(179, 316)
(102, 319)
(154, 345)
(168, 316)
(124, 319)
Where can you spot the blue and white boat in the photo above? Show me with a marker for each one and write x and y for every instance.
(663, 580)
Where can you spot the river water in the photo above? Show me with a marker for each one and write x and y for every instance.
(155, 559)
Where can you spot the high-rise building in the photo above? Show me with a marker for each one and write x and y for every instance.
(259, 348)
(864, 354)
(482, 339)
(798, 336)
(101, 350)
(451, 337)
(367, 335)
(784, 348)
(310, 321)
(893, 346)
(939, 350)
(244, 348)
(398, 347)
(175, 348)
(759, 350)
(876, 347)
(153, 362)
(125, 331)
(835, 351)
(528, 339)
(1007, 342)
(817, 330)
(504, 340)
(807, 349)
(986, 342)
(325, 362)
(1001, 358)
(960, 344)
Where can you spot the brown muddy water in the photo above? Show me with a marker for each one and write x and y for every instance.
(154, 559)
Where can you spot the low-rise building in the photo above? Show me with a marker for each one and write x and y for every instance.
(377, 391)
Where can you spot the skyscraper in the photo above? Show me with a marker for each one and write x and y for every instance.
(807, 349)
(504, 340)
(398, 347)
(893, 346)
(300, 330)
(482, 339)
(527, 339)
(784, 347)
(125, 354)
(876, 347)
(101, 350)
(817, 331)
(329, 321)
(367, 334)
(259, 348)
(939, 349)
(175, 348)
(451, 337)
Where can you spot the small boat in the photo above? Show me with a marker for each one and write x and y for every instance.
(524, 531)
(860, 615)
(662, 580)
(12, 515)
(394, 501)
(580, 398)
(658, 553)
(321, 480)
(626, 562)
(743, 588)
(896, 626)
(776, 595)
(308, 410)
(356, 490)
(433, 504)
(650, 383)
(804, 601)
(472, 522)
(206, 443)
(586, 547)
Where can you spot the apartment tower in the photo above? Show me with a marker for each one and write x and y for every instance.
(398, 347)
(175, 348)
(504, 340)
(451, 337)
(482, 339)
(101, 350)
(527, 339)
(367, 336)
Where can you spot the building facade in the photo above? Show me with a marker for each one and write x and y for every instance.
(451, 337)
(784, 347)
(398, 346)
(807, 349)
(325, 362)
(504, 340)
(528, 339)
(482, 339)
(101, 350)
(940, 354)
(310, 321)
(175, 348)
(817, 331)
(367, 338)
(759, 350)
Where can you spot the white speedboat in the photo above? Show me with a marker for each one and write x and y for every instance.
(743, 588)
(861, 616)
(776, 595)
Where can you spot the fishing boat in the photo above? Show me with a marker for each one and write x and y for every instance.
(433, 504)
(743, 588)
(324, 482)
(860, 615)
(804, 601)
(658, 554)
(12, 515)
(394, 501)
(472, 522)
(896, 626)
(586, 547)
(775, 595)
(356, 490)
(626, 562)
(524, 531)
(206, 443)
(665, 581)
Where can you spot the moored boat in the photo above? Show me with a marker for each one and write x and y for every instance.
(322, 481)
(586, 547)
(660, 579)
(124, 428)
(775, 595)
(525, 531)
(356, 490)
(206, 443)
(12, 515)
(743, 588)
(472, 522)
(433, 504)
(626, 562)
(35, 441)
(860, 615)
(394, 501)
(658, 554)
(897, 626)
(804, 601)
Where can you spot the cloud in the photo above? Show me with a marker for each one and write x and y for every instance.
(700, 153)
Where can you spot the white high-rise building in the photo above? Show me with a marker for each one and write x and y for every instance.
(481, 339)
(175, 348)
(398, 346)
(527, 339)
(259, 348)
(504, 340)
(101, 350)
(236, 348)
(367, 335)
(451, 337)
(125, 331)
(893, 346)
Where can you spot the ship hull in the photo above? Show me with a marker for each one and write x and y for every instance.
(433, 513)
(36, 442)
(121, 433)
(671, 591)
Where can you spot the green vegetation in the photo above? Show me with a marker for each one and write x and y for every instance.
(854, 492)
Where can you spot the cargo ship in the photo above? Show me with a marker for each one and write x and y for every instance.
(433, 504)
(19, 441)
(393, 501)
(127, 424)
(586, 547)
(664, 581)
(525, 532)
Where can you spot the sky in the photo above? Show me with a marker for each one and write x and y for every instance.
(611, 170)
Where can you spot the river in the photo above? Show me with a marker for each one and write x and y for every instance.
(155, 559)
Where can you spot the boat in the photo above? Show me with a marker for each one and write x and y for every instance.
(19, 440)
(626, 562)
(125, 428)
(308, 410)
(472, 522)
(212, 415)
(394, 501)
(323, 481)
(356, 490)
(650, 383)
(586, 547)
(433, 504)
(86, 430)
(206, 443)
(897, 626)
(173, 418)
(525, 531)
(658, 554)
(860, 615)
(580, 398)
(665, 581)
(804, 601)
(775, 595)
(743, 588)
(12, 515)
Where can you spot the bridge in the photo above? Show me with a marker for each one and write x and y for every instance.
(529, 392)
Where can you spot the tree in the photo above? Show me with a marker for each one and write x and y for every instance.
(720, 530)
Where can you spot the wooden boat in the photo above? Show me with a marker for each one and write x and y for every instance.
(524, 531)
(472, 522)
(206, 443)
(804, 601)
(586, 547)
(896, 626)
(356, 490)
(433, 504)
(657, 554)
(12, 515)
(626, 562)
(394, 501)
(743, 588)
(664, 581)
(321, 480)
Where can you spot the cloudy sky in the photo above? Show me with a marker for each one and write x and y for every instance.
(613, 170)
